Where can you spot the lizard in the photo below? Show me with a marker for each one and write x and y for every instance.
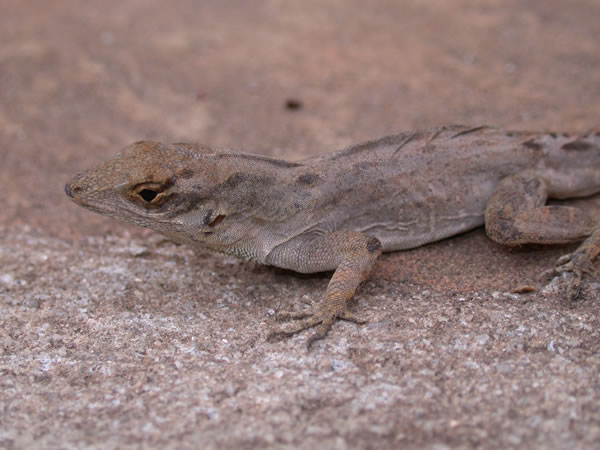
(339, 211)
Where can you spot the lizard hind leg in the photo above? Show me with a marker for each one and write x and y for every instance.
(516, 214)
(351, 254)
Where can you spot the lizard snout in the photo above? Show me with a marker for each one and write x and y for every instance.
(72, 189)
(68, 190)
(77, 185)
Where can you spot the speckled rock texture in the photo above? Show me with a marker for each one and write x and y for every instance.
(112, 337)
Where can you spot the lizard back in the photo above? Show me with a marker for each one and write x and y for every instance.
(413, 188)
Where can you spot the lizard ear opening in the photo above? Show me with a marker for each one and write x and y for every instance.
(217, 220)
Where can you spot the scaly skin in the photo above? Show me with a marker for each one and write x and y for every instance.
(339, 211)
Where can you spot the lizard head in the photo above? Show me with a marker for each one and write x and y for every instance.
(151, 185)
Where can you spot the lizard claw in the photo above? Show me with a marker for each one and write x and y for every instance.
(322, 318)
(573, 267)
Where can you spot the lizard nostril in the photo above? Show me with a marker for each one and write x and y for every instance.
(72, 190)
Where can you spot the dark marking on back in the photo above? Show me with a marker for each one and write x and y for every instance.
(578, 146)
(532, 144)
(468, 131)
(308, 178)
(553, 135)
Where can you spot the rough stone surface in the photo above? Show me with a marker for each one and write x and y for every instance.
(111, 337)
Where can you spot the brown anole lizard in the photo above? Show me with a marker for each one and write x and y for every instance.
(339, 211)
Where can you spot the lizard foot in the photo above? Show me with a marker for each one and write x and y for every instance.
(573, 267)
(322, 318)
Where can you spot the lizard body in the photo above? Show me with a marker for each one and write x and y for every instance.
(339, 211)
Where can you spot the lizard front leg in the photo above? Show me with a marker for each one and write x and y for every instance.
(351, 254)
(516, 214)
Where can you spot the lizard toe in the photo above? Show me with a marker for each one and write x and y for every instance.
(320, 332)
(289, 329)
(573, 268)
(283, 316)
(322, 319)
(352, 317)
(564, 259)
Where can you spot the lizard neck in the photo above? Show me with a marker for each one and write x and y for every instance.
(235, 208)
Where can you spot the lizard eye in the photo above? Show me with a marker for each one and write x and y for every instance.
(148, 194)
